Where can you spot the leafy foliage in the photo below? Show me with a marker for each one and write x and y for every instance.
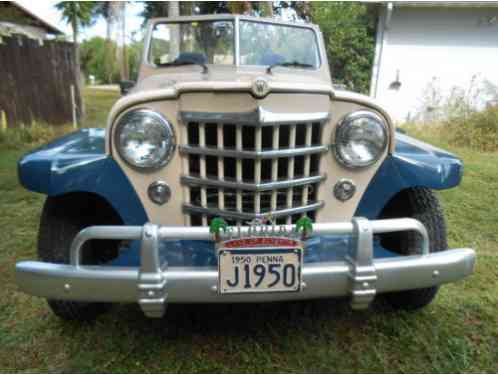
(154, 9)
(456, 115)
(95, 61)
(80, 14)
(160, 8)
(349, 33)
(477, 130)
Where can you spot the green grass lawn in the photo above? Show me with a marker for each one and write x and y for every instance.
(97, 105)
(457, 333)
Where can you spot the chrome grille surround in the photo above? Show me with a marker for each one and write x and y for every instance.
(242, 166)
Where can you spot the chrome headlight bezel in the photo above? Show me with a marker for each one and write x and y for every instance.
(165, 126)
(345, 123)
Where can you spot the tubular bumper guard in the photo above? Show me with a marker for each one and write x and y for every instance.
(154, 285)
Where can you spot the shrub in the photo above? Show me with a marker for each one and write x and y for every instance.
(349, 35)
(476, 130)
(31, 136)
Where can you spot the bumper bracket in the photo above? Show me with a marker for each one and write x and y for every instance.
(152, 281)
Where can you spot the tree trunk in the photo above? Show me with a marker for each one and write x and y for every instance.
(269, 5)
(165, 6)
(77, 72)
(124, 60)
(174, 11)
(108, 53)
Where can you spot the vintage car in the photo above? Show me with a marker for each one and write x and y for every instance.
(234, 171)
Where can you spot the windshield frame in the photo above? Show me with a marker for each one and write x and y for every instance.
(236, 20)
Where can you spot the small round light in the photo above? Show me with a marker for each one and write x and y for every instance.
(360, 139)
(344, 189)
(144, 139)
(159, 192)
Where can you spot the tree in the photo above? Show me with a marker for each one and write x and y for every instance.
(174, 11)
(154, 9)
(105, 10)
(114, 13)
(120, 12)
(79, 15)
(349, 33)
(94, 55)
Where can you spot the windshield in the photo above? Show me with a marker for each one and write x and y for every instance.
(206, 42)
(270, 44)
(213, 42)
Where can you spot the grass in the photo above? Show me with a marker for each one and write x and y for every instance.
(457, 333)
(97, 104)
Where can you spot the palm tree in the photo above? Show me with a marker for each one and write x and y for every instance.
(174, 11)
(105, 10)
(78, 15)
(120, 12)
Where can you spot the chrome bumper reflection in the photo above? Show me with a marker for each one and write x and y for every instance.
(153, 285)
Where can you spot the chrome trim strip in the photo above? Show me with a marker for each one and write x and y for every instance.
(249, 216)
(259, 117)
(244, 154)
(263, 186)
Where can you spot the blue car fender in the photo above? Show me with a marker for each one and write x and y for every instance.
(413, 164)
(77, 162)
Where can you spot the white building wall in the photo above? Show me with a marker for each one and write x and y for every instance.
(446, 44)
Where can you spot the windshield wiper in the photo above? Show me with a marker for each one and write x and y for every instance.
(184, 62)
(291, 64)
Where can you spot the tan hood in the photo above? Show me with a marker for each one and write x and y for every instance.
(172, 82)
(219, 76)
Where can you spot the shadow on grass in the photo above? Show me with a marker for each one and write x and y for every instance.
(281, 318)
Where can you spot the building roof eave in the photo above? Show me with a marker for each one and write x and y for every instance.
(51, 29)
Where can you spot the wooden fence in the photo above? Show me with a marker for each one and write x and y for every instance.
(35, 82)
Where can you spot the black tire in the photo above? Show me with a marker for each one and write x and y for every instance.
(61, 220)
(421, 204)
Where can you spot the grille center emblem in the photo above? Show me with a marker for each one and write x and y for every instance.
(260, 87)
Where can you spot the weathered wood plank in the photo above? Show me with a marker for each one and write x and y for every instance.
(35, 81)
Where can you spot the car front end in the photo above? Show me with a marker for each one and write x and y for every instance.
(255, 179)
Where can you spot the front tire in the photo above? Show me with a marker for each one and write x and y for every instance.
(421, 204)
(61, 220)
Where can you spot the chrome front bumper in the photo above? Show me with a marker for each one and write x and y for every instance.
(153, 285)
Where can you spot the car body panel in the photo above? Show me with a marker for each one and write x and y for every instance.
(78, 163)
(413, 164)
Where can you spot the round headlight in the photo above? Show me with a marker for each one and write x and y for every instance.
(145, 139)
(360, 139)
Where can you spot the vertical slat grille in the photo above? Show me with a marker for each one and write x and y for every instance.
(221, 168)
(242, 171)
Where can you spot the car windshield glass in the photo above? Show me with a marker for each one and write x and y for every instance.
(273, 44)
(205, 42)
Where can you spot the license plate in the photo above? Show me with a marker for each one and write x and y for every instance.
(264, 270)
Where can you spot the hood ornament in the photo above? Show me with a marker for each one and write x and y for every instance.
(260, 87)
